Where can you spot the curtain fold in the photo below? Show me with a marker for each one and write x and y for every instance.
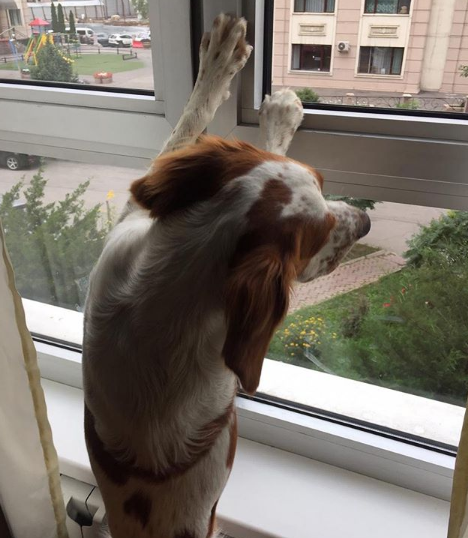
(30, 492)
(458, 525)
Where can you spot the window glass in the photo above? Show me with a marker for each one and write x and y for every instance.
(381, 60)
(72, 44)
(393, 314)
(377, 53)
(56, 215)
(311, 57)
(314, 6)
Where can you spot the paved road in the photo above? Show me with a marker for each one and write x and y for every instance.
(392, 224)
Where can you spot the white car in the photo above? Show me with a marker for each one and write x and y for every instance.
(120, 40)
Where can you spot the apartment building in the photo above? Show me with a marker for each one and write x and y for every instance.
(13, 14)
(403, 46)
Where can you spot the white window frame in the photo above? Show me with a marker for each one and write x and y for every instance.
(421, 161)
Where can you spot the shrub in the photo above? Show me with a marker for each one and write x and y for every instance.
(464, 70)
(53, 65)
(447, 235)
(360, 203)
(307, 95)
(53, 246)
(412, 104)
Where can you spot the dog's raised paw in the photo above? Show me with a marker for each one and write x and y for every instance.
(223, 53)
(282, 110)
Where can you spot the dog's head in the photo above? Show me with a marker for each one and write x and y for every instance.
(286, 232)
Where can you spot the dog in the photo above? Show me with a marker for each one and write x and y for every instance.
(188, 291)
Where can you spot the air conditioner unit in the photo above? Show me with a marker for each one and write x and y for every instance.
(343, 46)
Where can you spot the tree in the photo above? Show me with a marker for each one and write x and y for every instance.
(60, 19)
(54, 18)
(71, 18)
(53, 65)
(53, 246)
(141, 6)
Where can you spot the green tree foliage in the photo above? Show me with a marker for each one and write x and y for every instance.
(53, 11)
(447, 235)
(53, 65)
(53, 246)
(60, 19)
(71, 18)
(360, 203)
(307, 95)
(412, 104)
(141, 6)
(464, 70)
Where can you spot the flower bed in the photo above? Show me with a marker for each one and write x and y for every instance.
(103, 77)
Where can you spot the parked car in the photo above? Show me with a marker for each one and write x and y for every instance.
(17, 161)
(120, 40)
(144, 37)
(86, 35)
(103, 39)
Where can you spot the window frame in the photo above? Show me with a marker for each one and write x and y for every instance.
(302, 52)
(325, 10)
(376, 3)
(339, 138)
(371, 57)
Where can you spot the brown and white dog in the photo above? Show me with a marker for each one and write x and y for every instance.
(185, 298)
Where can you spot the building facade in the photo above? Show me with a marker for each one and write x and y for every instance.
(401, 46)
(13, 15)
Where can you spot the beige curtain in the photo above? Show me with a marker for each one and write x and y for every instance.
(458, 526)
(30, 493)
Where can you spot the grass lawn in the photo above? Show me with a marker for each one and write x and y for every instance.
(88, 64)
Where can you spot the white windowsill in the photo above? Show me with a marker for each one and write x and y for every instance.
(274, 493)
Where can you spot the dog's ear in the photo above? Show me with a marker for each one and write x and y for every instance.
(257, 299)
(179, 180)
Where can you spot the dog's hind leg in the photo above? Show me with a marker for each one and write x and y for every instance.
(223, 53)
(280, 116)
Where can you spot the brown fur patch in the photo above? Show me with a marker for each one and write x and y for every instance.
(185, 534)
(120, 472)
(232, 442)
(183, 178)
(268, 257)
(212, 524)
(139, 507)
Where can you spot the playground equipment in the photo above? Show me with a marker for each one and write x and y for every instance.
(35, 44)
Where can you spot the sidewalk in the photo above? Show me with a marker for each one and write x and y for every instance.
(347, 277)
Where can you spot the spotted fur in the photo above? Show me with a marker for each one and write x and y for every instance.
(191, 285)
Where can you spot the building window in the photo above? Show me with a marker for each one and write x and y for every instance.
(314, 6)
(381, 60)
(388, 7)
(311, 57)
(15, 17)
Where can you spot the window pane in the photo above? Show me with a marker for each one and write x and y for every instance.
(56, 215)
(380, 54)
(393, 314)
(311, 57)
(94, 44)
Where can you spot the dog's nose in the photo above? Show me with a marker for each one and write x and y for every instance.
(365, 225)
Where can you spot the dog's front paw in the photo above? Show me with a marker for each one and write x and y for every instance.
(223, 53)
(283, 109)
(280, 116)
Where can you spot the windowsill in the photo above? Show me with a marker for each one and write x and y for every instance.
(274, 493)
(385, 14)
(375, 75)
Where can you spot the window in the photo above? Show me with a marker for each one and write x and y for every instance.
(381, 60)
(314, 6)
(15, 17)
(388, 7)
(311, 57)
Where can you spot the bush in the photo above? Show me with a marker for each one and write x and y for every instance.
(447, 235)
(53, 65)
(307, 95)
(360, 203)
(415, 340)
(412, 104)
(53, 246)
